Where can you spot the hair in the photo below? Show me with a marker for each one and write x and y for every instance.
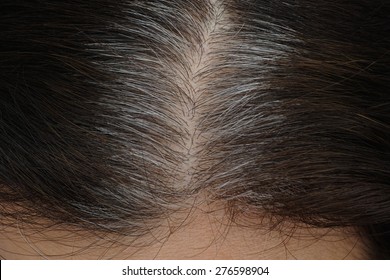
(114, 114)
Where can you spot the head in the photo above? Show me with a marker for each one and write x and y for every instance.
(124, 120)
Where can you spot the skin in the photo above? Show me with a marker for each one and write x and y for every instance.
(205, 232)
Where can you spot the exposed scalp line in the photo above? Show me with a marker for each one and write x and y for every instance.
(192, 80)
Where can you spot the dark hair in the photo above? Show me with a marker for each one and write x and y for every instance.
(114, 114)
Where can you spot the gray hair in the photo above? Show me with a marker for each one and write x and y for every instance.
(115, 114)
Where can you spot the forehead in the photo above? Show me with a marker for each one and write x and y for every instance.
(118, 118)
(205, 233)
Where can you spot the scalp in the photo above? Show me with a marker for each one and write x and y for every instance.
(116, 115)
